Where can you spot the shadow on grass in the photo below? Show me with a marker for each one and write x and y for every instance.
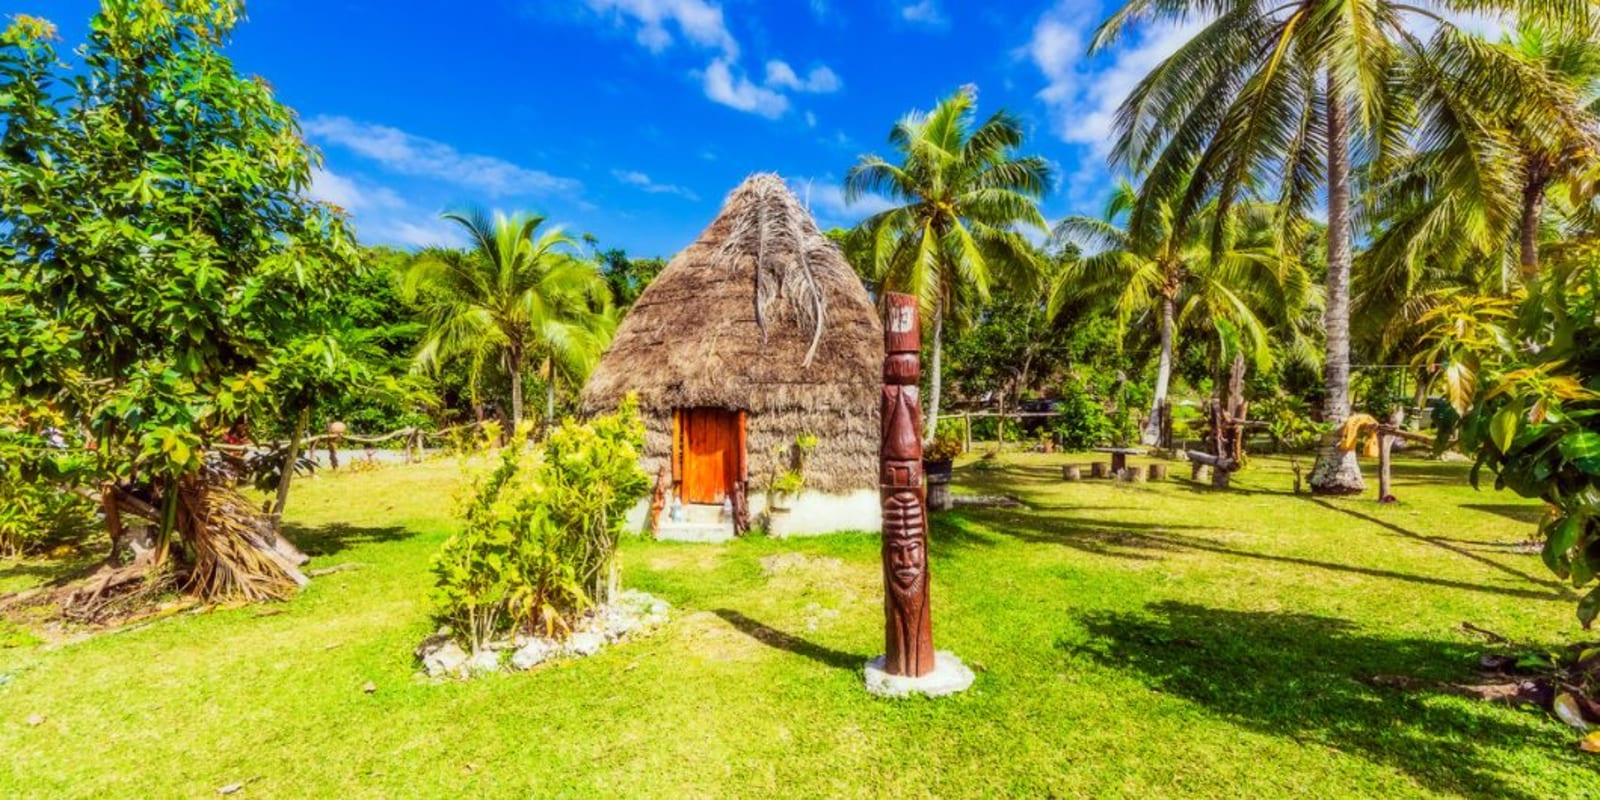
(1520, 513)
(326, 540)
(1135, 541)
(1303, 677)
(1557, 588)
(1142, 542)
(781, 640)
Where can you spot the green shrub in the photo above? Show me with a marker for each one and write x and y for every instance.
(987, 429)
(1289, 423)
(39, 477)
(1082, 423)
(540, 532)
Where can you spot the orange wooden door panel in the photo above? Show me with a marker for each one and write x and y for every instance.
(710, 453)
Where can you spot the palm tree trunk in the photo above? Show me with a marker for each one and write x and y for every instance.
(1336, 471)
(1532, 209)
(936, 378)
(1152, 427)
(291, 458)
(549, 398)
(514, 368)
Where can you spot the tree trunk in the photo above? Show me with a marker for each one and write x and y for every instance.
(1152, 428)
(936, 378)
(1336, 471)
(514, 368)
(1532, 209)
(290, 459)
(549, 397)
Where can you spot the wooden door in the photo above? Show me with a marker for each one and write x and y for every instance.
(708, 453)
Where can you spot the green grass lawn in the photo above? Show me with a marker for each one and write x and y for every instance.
(1130, 640)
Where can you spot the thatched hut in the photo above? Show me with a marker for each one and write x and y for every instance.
(756, 335)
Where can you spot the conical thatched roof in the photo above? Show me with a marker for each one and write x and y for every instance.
(762, 313)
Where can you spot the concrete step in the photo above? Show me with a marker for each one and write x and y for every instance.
(695, 531)
(702, 513)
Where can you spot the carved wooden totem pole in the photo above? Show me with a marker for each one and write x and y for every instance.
(908, 636)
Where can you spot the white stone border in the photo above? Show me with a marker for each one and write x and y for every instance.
(949, 676)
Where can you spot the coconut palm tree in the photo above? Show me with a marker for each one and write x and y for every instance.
(1280, 92)
(1477, 192)
(1250, 287)
(961, 193)
(519, 295)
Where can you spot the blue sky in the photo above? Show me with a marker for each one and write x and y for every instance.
(631, 119)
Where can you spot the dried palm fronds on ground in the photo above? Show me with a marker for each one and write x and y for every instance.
(236, 553)
(222, 549)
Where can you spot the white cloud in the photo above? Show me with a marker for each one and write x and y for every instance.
(696, 20)
(350, 194)
(407, 154)
(658, 24)
(825, 198)
(924, 12)
(1083, 98)
(643, 181)
(1486, 25)
(820, 80)
(419, 232)
(380, 215)
(811, 120)
(722, 85)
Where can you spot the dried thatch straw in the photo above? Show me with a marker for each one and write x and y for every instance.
(762, 314)
(237, 555)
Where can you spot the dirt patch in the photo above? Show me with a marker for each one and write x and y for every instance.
(699, 557)
(830, 586)
(798, 562)
(712, 638)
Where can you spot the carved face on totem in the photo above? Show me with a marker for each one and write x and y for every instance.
(904, 556)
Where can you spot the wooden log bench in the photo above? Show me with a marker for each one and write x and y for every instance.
(1221, 467)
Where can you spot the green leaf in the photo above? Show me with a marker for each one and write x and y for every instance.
(1582, 570)
(1561, 535)
(1582, 449)
(1503, 428)
(1589, 607)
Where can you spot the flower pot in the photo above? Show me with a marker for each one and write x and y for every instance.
(937, 471)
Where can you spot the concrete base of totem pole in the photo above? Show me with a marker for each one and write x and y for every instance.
(949, 676)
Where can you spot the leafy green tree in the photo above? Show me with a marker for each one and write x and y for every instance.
(154, 212)
(1280, 93)
(1474, 197)
(518, 295)
(1522, 403)
(628, 277)
(1249, 284)
(1011, 350)
(962, 193)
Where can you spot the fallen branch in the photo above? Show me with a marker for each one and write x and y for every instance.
(350, 565)
(1485, 633)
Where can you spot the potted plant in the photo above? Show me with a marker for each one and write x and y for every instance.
(941, 454)
(787, 482)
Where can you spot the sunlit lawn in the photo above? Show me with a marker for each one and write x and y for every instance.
(1132, 640)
